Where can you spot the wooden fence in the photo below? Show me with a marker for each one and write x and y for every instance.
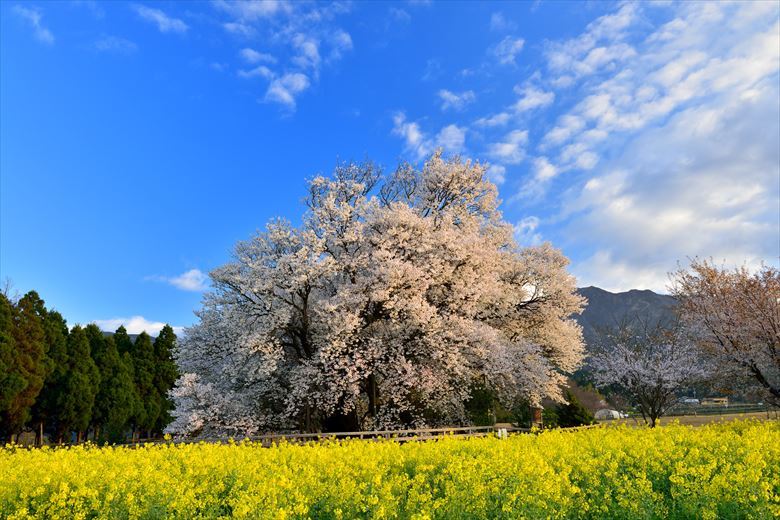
(423, 434)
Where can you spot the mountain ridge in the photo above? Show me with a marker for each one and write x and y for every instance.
(606, 310)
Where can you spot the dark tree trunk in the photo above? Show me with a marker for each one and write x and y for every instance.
(373, 405)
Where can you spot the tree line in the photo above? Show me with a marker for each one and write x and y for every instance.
(61, 382)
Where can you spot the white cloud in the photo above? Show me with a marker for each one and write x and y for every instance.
(512, 149)
(496, 173)
(239, 29)
(252, 56)
(454, 100)
(165, 23)
(308, 48)
(304, 37)
(499, 119)
(500, 23)
(414, 140)
(254, 10)
(507, 50)
(261, 71)
(600, 46)
(525, 232)
(193, 280)
(341, 42)
(284, 89)
(134, 325)
(451, 138)
(543, 169)
(399, 14)
(115, 44)
(567, 126)
(33, 17)
(532, 98)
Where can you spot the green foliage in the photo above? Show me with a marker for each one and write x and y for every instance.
(46, 411)
(11, 380)
(148, 412)
(481, 406)
(56, 382)
(26, 364)
(81, 384)
(165, 374)
(117, 398)
(123, 341)
(573, 413)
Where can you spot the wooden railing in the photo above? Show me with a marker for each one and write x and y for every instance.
(422, 434)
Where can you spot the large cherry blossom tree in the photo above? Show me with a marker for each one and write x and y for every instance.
(385, 308)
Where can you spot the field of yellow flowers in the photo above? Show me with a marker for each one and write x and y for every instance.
(718, 471)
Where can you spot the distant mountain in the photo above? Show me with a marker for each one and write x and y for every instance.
(606, 310)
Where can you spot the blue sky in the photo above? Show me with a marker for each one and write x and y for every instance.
(140, 141)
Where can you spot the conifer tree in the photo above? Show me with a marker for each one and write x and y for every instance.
(135, 405)
(98, 352)
(573, 413)
(115, 401)
(12, 382)
(165, 374)
(122, 340)
(149, 399)
(81, 385)
(45, 412)
(28, 364)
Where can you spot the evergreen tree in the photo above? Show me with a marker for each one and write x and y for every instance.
(45, 412)
(12, 382)
(148, 410)
(573, 413)
(116, 399)
(122, 340)
(98, 351)
(27, 364)
(135, 406)
(81, 385)
(165, 374)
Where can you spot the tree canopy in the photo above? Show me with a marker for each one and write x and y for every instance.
(394, 299)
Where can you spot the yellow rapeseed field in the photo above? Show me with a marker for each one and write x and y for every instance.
(718, 471)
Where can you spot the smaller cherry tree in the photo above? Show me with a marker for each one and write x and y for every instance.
(649, 367)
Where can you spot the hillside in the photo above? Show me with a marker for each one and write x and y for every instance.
(606, 309)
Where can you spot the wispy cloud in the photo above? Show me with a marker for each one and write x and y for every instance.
(525, 232)
(304, 37)
(134, 325)
(252, 56)
(452, 138)
(455, 101)
(115, 44)
(414, 140)
(511, 149)
(500, 119)
(193, 280)
(165, 23)
(532, 98)
(500, 23)
(33, 17)
(507, 50)
(284, 89)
